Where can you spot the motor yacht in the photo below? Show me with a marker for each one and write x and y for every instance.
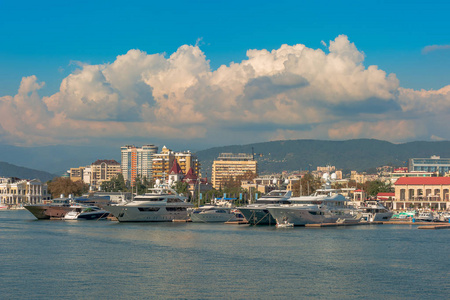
(213, 213)
(324, 206)
(55, 208)
(161, 204)
(426, 217)
(87, 213)
(375, 211)
(257, 213)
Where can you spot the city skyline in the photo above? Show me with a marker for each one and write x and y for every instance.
(201, 74)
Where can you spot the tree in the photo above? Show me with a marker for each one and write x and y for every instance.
(372, 188)
(116, 184)
(61, 185)
(182, 188)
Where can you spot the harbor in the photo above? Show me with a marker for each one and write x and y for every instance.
(207, 261)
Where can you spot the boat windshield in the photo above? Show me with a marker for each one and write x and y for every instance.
(148, 199)
(274, 201)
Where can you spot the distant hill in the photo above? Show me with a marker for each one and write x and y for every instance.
(9, 170)
(359, 154)
(57, 159)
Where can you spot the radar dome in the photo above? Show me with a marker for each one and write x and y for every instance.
(157, 182)
(274, 181)
(333, 176)
(326, 176)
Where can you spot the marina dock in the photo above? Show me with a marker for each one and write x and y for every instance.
(341, 224)
(447, 226)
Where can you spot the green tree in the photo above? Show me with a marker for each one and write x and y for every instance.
(61, 185)
(116, 184)
(372, 188)
(182, 188)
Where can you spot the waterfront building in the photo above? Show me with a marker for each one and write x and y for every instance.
(137, 161)
(16, 192)
(229, 165)
(103, 170)
(434, 164)
(422, 192)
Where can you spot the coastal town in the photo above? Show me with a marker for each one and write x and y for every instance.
(422, 186)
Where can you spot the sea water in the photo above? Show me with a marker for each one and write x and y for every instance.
(107, 259)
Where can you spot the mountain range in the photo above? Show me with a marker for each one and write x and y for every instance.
(358, 154)
(9, 170)
(273, 157)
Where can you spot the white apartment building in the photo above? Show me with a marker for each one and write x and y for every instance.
(137, 161)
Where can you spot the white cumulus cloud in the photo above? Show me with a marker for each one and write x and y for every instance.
(290, 92)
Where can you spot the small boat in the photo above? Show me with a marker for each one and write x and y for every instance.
(426, 217)
(285, 224)
(87, 213)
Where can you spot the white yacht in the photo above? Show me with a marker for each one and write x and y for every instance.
(162, 204)
(257, 213)
(426, 216)
(213, 213)
(325, 206)
(374, 211)
(87, 213)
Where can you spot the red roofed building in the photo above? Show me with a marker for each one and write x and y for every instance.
(422, 192)
(196, 184)
(385, 196)
(175, 174)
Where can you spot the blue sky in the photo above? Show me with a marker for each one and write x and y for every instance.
(54, 39)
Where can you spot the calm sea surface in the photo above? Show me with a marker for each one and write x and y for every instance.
(104, 259)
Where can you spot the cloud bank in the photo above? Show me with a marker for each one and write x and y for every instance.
(287, 93)
(432, 48)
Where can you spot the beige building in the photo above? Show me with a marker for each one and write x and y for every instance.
(422, 192)
(103, 170)
(231, 165)
(16, 192)
(163, 162)
(362, 178)
(76, 174)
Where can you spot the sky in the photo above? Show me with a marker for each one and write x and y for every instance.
(197, 74)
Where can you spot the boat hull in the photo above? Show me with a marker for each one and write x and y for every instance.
(301, 217)
(45, 212)
(142, 214)
(257, 216)
(213, 217)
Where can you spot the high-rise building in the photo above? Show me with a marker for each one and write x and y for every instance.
(229, 165)
(137, 161)
(163, 162)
